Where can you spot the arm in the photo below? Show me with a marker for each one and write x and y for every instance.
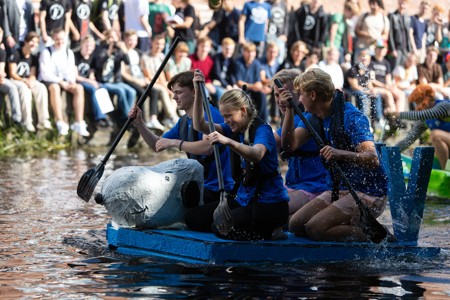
(43, 25)
(437, 112)
(68, 22)
(365, 155)
(252, 153)
(75, 33)
(12, 68)
(333, 32)
(241, 29)
(144, 22)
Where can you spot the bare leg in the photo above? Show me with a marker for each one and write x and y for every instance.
(331, 224)
(54, 92)
(441, 141)
(304, 214)
(296, 200)
(78, 101)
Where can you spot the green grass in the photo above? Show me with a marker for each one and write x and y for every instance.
(15, 142)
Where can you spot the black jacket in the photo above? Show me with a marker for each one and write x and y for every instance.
(10, 18)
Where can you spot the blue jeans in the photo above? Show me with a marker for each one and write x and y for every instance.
(371, 106)
(90, 90)
(126, 96)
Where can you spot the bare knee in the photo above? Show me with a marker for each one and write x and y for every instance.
(314, 231)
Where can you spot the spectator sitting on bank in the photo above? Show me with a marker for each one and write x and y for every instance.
(431, 73)
(152, 61)
(405, 75)
(224, 70)
(58, 72)
(85, 76)
(295, 57)
(179, 62)
(22, 67)
(331, 66)
(8, 88)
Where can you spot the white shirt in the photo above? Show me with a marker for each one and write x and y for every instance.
(57, 66)
(134, 10)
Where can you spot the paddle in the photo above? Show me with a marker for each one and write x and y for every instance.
(89, 180)
(369, 224)
(222, 214)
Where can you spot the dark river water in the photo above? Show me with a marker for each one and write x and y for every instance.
(53, 245)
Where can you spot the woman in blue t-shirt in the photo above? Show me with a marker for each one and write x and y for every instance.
(335, 216)
(261, 202)
(306, 177)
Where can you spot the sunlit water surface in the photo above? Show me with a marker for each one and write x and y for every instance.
(53, 245)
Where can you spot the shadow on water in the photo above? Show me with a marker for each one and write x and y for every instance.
(53, 245)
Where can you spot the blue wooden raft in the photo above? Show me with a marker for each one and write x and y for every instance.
(406, 204)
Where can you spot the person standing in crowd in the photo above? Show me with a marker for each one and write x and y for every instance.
(158, 11)
(334, 215)
(434, 27)
(253, 24)
(279, 26)
(16, 19)
(399, 43)
(184, 137)
(224, 24)
(105, 15)
(136, 18)
(84, 59)
(22, 69)
(81, 25)
(58, 73)
(183, 22)
(341, 33)
(419, 29)
(7, 87)
(310, 26)
(54, 14)
(261, 203)
(371, 26)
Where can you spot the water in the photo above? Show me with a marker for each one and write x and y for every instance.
(53, 245)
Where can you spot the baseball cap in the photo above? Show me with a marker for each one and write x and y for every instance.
(380, 43)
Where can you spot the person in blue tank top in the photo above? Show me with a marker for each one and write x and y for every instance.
(184, 138)
(261, 202)
(306, 177)
(429, 114)
(334, 215)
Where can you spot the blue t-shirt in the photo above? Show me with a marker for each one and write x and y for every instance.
(257, 15)
(211, 182)
(442, 124)
(306, 172)
(272, 190)
(371, 181)
(251, 73)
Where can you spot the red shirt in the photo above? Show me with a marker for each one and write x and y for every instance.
(205, 66)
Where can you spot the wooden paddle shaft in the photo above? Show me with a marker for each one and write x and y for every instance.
(212, 129)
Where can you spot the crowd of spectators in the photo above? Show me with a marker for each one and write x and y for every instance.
(92, 51)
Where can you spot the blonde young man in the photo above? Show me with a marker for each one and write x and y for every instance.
(58, 73)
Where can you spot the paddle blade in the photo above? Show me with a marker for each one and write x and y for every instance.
(371, 226)
(222, 216)
(88, 182)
